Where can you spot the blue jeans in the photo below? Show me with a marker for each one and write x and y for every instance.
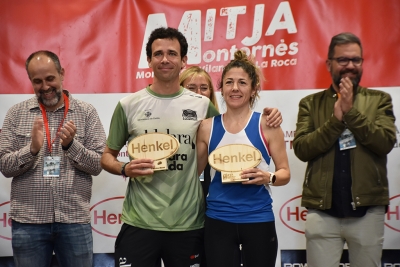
(33, 244)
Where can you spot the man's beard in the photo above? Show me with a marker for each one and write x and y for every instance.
(355, 80)
(50, 102)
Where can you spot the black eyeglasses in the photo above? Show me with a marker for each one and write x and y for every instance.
(195, 88)
(344, 61)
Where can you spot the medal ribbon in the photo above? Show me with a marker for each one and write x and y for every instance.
(46, 122)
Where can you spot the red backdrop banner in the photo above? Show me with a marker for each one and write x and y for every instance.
(101, 43)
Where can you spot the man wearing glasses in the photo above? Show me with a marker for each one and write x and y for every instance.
(344, 133)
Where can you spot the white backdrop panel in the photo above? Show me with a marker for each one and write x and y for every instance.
(108, 190)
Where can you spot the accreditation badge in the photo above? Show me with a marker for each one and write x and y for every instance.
(51, 167)
(201, 177)
(347, 140)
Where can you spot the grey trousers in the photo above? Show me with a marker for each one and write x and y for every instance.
(326, 236)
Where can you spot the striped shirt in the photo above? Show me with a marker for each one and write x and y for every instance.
(65, 199)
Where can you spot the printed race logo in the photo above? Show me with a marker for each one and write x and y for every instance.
(253, 42)
(5, 221)
(292, 215)
(106, 216)
(268, 32)
(393, 214)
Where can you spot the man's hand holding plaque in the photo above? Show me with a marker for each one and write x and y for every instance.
(155, 146)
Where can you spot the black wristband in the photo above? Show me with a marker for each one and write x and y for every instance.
(68, 146)
(123, 169)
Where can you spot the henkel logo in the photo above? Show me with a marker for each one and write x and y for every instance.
(292, 215)
(5, 221)
(393, 214)
(106, 216)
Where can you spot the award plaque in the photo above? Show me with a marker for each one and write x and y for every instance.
(155, 146)
(231, 160)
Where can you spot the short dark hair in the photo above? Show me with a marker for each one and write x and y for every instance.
(50, 54)
(167, 33)
(343, 38)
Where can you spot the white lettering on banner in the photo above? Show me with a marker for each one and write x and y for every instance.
(286, 24)
(154, 21)
(211, 68)
(209, 25)
(232, 13)
(286, 62)
(257, 26)
(391, 265)
(190, 26)
(144, 74)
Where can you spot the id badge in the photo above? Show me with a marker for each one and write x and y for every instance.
(201, 177)
(347, 140)
(51, 167)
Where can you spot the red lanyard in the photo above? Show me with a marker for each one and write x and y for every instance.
(46, 122)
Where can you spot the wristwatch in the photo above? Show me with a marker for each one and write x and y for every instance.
(272, 178)
(123, 169)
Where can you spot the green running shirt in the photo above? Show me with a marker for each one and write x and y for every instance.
(170, 200)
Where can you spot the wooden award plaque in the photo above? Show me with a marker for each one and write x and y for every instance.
(231, 160)
(155, 146)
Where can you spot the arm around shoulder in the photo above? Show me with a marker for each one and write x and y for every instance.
(203, 135)
(277, 148)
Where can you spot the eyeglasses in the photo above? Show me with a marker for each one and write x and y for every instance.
(195, 88)
(344, 61)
